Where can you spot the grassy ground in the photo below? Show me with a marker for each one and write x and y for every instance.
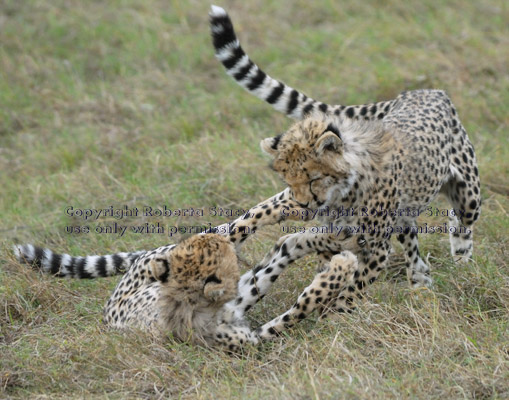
(122, 103)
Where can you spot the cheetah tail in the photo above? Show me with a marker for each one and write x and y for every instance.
(248, 75)
(64, 265)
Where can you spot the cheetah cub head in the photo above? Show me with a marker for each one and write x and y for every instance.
(310, 157)
(203, 270)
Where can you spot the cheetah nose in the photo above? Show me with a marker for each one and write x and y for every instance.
(302, 204)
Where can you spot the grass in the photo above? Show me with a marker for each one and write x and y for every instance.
(122, 103)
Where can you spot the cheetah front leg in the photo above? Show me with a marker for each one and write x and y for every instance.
(277, 208)
(255, 283)
(233, 337)
(417, 270)
(320, 295)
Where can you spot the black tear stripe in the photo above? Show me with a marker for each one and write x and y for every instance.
(276, 93)
(241, 74)
(293, 102)
(257, 80)
(213, 278)
(226, 35)
(231, 61)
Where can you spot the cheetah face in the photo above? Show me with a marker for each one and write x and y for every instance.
(309, 158)
(204, 267)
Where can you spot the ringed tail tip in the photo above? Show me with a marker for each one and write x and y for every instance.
(216, 11)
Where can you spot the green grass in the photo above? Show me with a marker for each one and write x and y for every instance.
(122, 103)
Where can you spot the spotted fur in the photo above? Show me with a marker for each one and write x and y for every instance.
(180, 290)
(392, 154)
(186, 290)
(385, 175)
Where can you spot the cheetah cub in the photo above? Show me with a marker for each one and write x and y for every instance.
(175, 290)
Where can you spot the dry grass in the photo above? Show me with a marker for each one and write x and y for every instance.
(122, 103)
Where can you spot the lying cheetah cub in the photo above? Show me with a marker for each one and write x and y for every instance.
(177, 290)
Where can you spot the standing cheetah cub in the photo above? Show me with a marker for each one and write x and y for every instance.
(439, 154)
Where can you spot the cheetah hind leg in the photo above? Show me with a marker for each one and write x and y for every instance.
(461, 241)
(465, 198)
(319, 295)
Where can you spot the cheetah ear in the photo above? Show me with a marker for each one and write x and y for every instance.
(269, 145)
(329, 141)
(334, 129)
(160, 269)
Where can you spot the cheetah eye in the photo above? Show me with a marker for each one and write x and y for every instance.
(314, 181)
